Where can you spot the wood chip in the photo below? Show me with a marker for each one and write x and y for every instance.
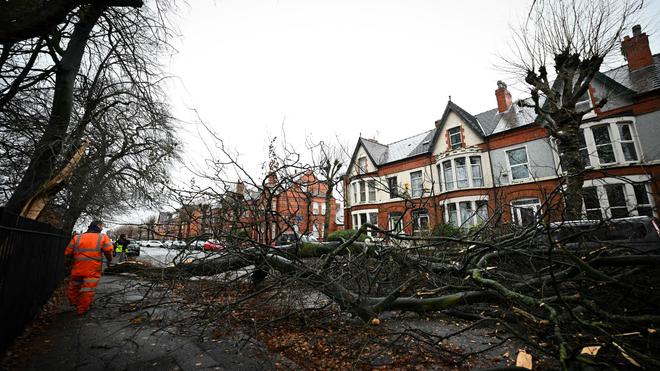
(592, 350)
(524, 359)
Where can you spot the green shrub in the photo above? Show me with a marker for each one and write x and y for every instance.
(446, 230)
(345, 234)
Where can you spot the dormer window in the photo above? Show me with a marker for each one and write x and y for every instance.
(455, 139)
(362, 165)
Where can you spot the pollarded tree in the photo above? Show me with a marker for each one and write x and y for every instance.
(573, 38)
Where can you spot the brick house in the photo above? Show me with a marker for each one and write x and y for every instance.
(502, 162)
(296, 203)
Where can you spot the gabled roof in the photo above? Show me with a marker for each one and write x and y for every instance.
(381, 154)
(463, 114)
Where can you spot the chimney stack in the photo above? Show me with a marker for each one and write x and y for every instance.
(503, 97)
(636, 49)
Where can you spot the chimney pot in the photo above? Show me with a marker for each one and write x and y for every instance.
(637, 30)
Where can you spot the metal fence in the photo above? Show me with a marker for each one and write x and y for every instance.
(31, 267)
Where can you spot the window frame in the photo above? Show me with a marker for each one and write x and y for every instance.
(632, 201)
(616, 141)
(417, 216)
(510, 167)
(371, 190)
(363, 192)
(474, 218)
(360, 168)
(457, 131)
(516, 218)
(420, 191)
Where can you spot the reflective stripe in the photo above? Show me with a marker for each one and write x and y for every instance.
(77, 243)
(98, 242)
(85, 258)
(107, 244)
(83, 289)
(91, 279)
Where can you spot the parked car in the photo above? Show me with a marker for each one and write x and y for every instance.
(197, 245)
(178, 244)
(167, 244)
(133, 248)
(213, 245)
(638, 232)
(153, 243)
(288, 238)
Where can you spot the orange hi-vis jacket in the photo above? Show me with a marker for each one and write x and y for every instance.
(88, 249)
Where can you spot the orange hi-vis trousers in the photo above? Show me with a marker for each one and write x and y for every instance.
(87, 250)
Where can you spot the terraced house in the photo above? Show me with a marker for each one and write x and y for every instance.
(502, 162)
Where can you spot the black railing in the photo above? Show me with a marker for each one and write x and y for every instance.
(31, 267)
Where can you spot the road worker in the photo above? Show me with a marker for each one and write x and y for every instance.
(121, 247)
(87, 250)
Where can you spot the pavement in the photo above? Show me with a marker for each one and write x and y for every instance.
(134, 325)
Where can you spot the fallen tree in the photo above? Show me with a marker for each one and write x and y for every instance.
(573, 298)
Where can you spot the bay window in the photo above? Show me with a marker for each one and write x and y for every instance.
(620, 199)
(466, 213)
(608, 143)
(467, 172)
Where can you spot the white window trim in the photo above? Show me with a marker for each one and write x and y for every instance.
(629, 193)
(361, 170)
(468, 165)
(457, 200)
(537, 208)
(363, 211)
(412, 188)
(460, 135)
(615, 138)
(508, 165)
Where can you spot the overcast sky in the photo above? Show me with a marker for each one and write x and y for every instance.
(337, 69)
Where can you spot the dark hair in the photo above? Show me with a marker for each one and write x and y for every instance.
(122, 235)
(96, 223)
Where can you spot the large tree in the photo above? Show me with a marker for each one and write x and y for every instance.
(558, 51)
(92, 77)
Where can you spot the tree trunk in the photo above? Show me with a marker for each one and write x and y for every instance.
(328, 210)
(44, 161)
(571, 163)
